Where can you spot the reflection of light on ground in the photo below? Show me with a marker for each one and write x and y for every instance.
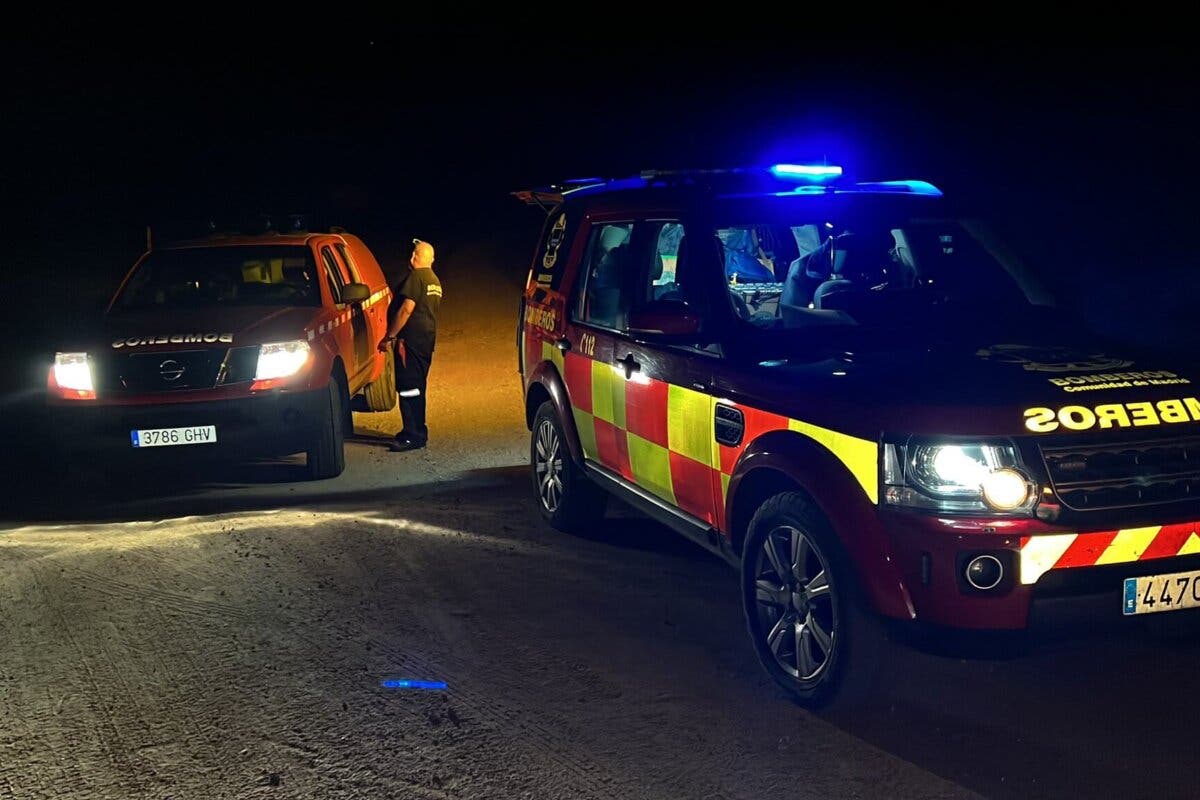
(133, 535)
(408, 683)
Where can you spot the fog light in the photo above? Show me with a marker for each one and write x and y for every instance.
(984, 572)
(1005, 489)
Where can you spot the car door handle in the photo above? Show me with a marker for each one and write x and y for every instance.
(563, 344)
(631, 366)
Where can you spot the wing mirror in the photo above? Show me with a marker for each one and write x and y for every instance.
(355, 293)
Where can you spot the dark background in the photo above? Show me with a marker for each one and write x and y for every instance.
(1086, 158)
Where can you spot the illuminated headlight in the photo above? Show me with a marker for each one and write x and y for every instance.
(73, 373)
(1005, 489)
(281, 360)
(963, 478)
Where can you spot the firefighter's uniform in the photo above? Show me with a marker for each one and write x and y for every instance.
(415, 344)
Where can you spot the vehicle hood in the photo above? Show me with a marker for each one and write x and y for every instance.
(200, 327)
(969, 386)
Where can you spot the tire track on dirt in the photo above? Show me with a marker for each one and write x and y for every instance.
(175, 601)
(110, 719)
(593, 780)
(131, 738)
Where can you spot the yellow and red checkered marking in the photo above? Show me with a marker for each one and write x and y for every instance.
(660, 436)
(1040, 554)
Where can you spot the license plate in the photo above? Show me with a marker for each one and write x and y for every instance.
(169, 437)
(1156, 593)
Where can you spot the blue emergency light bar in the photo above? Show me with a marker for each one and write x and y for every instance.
(806, 171)
(922, 188)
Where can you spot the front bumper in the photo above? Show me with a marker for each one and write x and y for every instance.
(1040, 562)
(270, 424)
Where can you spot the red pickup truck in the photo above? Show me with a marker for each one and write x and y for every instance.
(231, 345)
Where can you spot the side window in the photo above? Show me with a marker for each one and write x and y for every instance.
(351, 267)
(333, 274)
(665, 277)
(605, 265)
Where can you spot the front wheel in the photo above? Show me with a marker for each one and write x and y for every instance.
(802, 606)
(567, 499)
(327, 454)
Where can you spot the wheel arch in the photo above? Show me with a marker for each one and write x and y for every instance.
(545, 383)
(782, 461)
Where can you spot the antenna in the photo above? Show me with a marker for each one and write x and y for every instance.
(149, 240)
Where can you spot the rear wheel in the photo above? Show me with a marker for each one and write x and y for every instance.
(381, 393)
(327, 454)
(803, 608)
(567, 499)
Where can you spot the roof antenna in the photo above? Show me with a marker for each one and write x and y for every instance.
(149, 240)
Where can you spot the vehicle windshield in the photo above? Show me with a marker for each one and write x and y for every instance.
(860, 267)
(203, 277)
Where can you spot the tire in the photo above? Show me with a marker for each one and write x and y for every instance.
(327, 455)
(835, 644)
(565, 497)
(381, 393)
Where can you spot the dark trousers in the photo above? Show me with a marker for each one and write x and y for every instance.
(412, 372)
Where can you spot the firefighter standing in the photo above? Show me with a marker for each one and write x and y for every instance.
(413, 331)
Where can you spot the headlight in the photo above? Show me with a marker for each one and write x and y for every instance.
(73, 376)
(281, 360)
(953, 477)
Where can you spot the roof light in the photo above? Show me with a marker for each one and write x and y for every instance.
(805, 171)
(923, 188)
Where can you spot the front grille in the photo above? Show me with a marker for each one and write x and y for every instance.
(1124, 474)
(170, 371)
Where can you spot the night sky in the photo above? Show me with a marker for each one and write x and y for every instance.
(1086, 159)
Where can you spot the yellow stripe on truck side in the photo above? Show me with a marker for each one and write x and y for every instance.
(608, 394)
(651, 466)
(554, 356)
(860, 456)
(690, 424)
(586, 427)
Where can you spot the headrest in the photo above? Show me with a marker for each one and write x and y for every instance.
(611, 236)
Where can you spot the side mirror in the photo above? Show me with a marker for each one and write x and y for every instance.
(669, 319)
(355, 293)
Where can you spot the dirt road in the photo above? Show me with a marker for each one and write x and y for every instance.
(226, 632)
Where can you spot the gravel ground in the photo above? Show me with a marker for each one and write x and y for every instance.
(225, 632)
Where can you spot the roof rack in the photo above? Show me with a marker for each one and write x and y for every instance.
(547, 197)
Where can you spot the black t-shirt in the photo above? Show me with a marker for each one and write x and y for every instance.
(423, 288)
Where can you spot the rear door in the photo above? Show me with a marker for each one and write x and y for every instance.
(596, 311)
(669, 406)
(375, 310)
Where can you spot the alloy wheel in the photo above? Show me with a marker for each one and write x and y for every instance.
(794, 598)
(548, 464)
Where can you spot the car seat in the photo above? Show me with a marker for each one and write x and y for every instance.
(604, 289)
(672, 290)
(805, 276)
